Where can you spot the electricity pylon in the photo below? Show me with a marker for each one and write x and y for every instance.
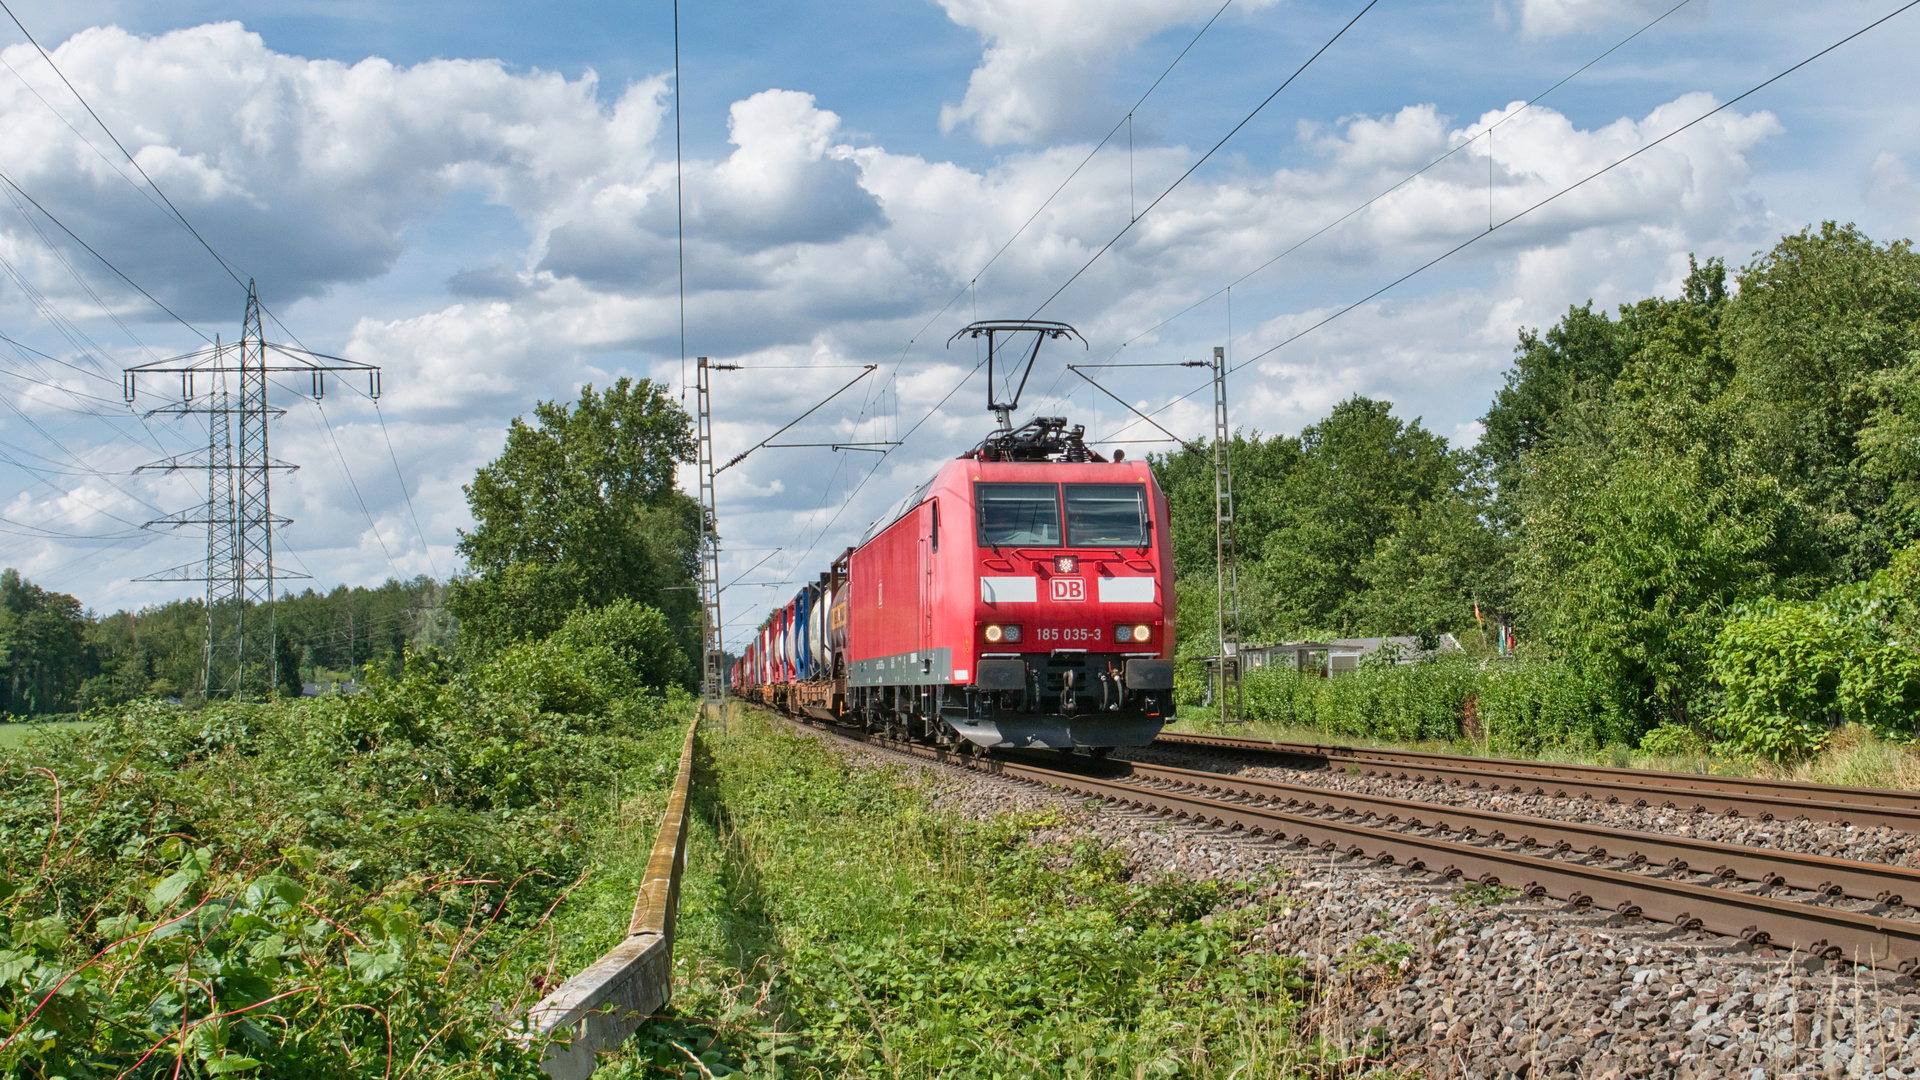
(238, 514)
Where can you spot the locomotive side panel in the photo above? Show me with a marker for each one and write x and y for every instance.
(889, 628)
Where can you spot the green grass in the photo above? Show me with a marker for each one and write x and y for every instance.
(834, 924)
(17, 733)
(1854, 757)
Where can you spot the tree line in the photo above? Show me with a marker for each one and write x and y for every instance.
(579, 511)
(1700, 503)
(56, 656)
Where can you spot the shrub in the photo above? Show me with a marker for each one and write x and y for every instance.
(335, 887)
(1792, 671)
(1527, 707)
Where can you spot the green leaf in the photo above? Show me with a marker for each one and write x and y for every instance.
(170, 889)
(231, 1063)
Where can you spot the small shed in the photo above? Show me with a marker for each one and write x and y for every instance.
(1345, 654)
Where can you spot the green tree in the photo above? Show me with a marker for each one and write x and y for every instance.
(1824, 324)
(1556, 392)
(580, 508)
(43, 655)
(1634, 546)
(1371, 499)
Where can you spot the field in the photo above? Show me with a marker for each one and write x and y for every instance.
(18, 733)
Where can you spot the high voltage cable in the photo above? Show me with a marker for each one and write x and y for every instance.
(178, 216)
(1203, 158)
(408, 495)
(181, 218)
(1477, 237)
(103, 259)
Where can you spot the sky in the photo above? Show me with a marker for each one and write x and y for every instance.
(480, 199)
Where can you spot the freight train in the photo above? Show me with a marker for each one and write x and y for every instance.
(1022, 597)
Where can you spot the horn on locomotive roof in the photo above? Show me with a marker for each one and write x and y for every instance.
(992, 328)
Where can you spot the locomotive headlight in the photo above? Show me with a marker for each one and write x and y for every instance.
(1140, 632)
(994, 633)
(998, 632)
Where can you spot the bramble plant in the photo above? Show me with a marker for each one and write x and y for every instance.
(335, 887)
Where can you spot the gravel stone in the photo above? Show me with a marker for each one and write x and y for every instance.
(1877, 844)
(1519, 988)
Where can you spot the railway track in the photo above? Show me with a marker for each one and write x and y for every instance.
(1539, 858)
(1762, 800)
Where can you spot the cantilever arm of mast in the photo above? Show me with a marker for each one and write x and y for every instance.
(1190, 446)
(199, 515)
(223, 357)
(197, 571)
(742, 455)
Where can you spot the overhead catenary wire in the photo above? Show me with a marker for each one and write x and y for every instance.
(1590, 177)
(972, 283)
(1248, 119)
(974, 279)
(1135, 220)
(679, 201)
(1404, 181)
(175, 214)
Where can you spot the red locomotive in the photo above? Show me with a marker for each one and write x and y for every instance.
(1021, 597)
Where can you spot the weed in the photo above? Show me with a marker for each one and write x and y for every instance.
(322, 888)
(1480, 894)
(892, 940)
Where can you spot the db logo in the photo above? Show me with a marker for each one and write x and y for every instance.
(1069, 588)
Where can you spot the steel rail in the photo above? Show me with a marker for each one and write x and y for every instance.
(596, 1010)
(1831, 933)
(1749, 785)
(1770, 867)
(1764, 800)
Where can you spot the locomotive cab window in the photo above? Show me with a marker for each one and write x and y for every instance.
(1107, 515)
(1012, 515)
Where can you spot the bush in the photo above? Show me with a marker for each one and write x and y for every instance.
(335, 887)
(637, 636)
(1791, 672)
(1520, 707)
(1674, 740)
(1527, 707)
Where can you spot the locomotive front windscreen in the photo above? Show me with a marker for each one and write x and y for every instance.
(1015, 514)
(1107, 515)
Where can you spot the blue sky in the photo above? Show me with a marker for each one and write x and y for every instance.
(478, 197)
